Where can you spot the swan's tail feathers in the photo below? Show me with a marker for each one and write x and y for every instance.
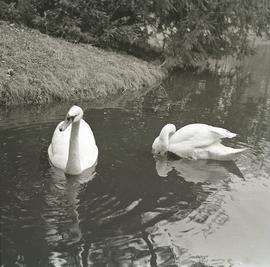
(230, 134)
(221, 152)
(233, 153)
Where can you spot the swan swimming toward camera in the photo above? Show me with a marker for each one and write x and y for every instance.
(73, 148)
(195, 141)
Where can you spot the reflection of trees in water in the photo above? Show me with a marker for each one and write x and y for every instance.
(214, 178)
(212, 175)
(125, 199)
(184, 93)
(122, 225)
(250, 108)
(190, 97)
(116, 229)
(239, 100)
(240, 106)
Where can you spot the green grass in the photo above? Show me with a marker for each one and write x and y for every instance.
(36, 69)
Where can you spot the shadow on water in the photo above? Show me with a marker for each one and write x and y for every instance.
(133, 209)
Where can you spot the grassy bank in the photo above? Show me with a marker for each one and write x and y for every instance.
(36, 68)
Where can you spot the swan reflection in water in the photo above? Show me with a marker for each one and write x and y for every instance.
(217, 178)
(61, 218)
(196, 171)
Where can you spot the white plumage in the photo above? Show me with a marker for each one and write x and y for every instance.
(195, 141)
(73, 148)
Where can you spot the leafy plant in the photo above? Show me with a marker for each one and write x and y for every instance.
(189, 31)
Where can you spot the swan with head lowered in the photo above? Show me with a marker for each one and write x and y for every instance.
(195, 141)
(73, 148)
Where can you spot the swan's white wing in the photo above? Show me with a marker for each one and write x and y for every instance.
(221, 132)
(58, 149)
(199, 135)
(219, 152)
(87, 144)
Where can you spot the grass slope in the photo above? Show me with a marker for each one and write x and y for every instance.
(36, 68)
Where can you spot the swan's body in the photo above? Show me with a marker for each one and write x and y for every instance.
(73, 148)
(195, 141)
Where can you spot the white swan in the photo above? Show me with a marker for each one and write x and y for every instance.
(195, 141)
(73, 148)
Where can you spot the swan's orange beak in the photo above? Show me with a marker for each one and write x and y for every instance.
(64, 125)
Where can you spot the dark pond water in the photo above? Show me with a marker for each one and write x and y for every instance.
(138, 211)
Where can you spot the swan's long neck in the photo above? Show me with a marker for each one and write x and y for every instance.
(73, 163)
(164, 138)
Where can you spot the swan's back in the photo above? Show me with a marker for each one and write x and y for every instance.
(200, 135)
(59, 147)
(202, 141)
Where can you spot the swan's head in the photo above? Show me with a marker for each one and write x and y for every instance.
(74, 114)
(161, 143)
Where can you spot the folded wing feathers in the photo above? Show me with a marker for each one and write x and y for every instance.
(223, 133)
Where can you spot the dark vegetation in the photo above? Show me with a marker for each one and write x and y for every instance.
(186, 31)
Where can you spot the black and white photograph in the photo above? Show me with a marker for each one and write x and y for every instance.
(135, 133)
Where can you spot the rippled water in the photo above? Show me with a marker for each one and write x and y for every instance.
(138, 211)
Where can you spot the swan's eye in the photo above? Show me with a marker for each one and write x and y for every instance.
(70, 118)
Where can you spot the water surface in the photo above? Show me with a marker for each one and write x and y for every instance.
(138, 211)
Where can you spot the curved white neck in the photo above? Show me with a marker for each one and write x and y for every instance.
(73, 164)
(164, 138)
